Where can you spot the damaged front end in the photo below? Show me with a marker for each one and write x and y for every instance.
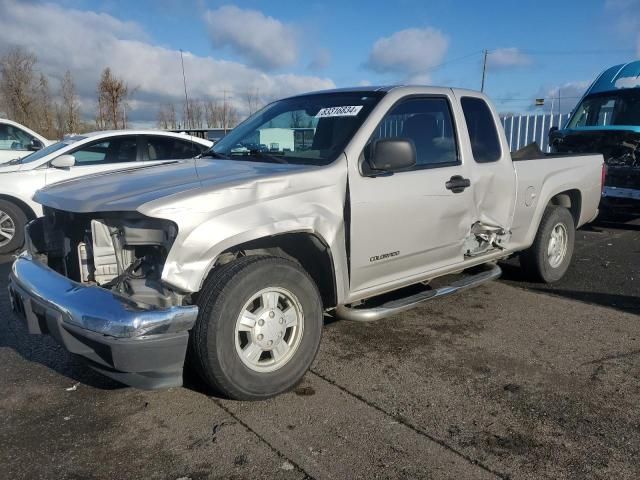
(621, 151)
(121, 252)
(93, 282)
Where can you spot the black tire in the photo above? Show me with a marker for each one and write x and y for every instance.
(535, 260)
(213, 339)
(19, 220)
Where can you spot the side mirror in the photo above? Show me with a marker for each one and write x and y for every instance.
(392, 154)
(35, 145)
(63, 161)
(552, 130)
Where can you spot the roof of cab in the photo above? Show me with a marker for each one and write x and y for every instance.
(626, 75)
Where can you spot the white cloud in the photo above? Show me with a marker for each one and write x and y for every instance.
(507, 57)
(85, 42)
(411, 51)
(263, 41)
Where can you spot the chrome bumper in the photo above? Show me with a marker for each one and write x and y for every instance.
(135, 344)
(93, 308)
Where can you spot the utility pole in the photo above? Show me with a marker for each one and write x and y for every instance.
(484, 68)
(186, 98)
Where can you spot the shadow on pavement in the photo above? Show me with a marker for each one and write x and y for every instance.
(43, 349)
(512, 274)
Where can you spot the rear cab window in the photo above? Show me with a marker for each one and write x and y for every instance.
(483, 134)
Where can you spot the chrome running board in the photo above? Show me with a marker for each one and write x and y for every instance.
(364, 314)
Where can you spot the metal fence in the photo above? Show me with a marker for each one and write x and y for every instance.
(522, 130)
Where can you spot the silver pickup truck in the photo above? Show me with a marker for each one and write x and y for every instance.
(358, 203)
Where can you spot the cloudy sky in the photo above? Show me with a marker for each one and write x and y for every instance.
(537, 48)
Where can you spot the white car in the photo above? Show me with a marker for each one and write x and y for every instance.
(76, 156)
(17, 141)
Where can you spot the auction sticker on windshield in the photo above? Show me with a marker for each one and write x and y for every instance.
(346, 111)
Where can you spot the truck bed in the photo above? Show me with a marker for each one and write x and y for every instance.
(579, 174)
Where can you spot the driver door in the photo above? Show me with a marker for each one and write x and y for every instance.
(411, 222)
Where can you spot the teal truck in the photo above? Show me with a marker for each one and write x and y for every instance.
(607, 121)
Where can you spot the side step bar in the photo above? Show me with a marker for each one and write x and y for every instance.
(364, 314)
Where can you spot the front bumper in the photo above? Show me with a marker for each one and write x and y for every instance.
(136, 344)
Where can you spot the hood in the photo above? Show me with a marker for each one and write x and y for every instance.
(620, 147)
(8, 167)
(126, 190)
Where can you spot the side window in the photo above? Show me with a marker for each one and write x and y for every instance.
(116, 150)
(165, 148)
(12, 138)
(485, 143)
(428, 122)
(186, 149)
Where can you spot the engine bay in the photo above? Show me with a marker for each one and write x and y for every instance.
(123, 252)
(620, 148)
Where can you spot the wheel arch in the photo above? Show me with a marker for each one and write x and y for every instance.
(28, 211)
(571, 200)
(308, 249)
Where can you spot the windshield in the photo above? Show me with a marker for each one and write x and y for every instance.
(68, 140)
(310, 130)
(608, 109)
(43, 152)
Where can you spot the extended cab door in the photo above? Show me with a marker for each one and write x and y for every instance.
(415, 221)
(493, 181)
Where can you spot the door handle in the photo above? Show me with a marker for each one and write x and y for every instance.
(457, 184)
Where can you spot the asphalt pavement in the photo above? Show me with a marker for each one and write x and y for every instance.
(510, 380)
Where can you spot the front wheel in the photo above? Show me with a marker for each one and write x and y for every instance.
(258, 329)
(12, 223)
(550, 255)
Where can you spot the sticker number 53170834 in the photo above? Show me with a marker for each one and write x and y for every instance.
(346, 111)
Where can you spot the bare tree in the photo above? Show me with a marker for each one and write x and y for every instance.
(220, 114)
(167, 117)
(232, 117)
(45, 109)
(112, 95)
(70, 110)
(18, 85)
(193, 114)
(252, 98)
(212, 114)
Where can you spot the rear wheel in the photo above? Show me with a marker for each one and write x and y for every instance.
(550, 255)
(12, 223)
(258, 329)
